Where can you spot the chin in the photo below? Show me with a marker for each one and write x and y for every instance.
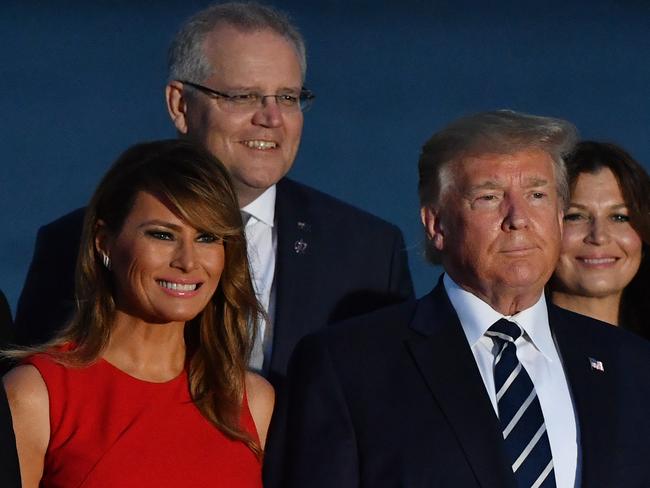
(599, 291)
(177, 316)
(524, 278)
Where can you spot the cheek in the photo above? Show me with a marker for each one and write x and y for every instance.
(137, 260)
(572, 237)
(294, 129)
(631, 243)
(213, 263)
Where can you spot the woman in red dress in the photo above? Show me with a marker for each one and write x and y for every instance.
(148, 383)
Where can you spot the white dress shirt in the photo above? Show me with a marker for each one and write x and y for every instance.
(537, 353)
(261, 243)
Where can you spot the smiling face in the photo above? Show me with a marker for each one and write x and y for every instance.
(163, 269)
(257, 147)
(498, 227)
(601, 251)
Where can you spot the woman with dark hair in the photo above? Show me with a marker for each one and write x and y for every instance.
(604, 266)
(147, 385)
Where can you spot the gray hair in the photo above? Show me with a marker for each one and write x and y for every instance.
(186, 59)
(498, 132)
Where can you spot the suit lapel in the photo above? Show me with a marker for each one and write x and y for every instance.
(447, 365)
(592, 391)
(293, 272)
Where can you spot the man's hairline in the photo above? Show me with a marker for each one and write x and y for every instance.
(446, 166)
(225, 23)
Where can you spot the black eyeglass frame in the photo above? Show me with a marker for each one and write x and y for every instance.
(305, 98)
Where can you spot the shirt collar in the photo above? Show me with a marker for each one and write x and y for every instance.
(476, 317)
(263, 207)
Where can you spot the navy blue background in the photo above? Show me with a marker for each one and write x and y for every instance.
(81, 81)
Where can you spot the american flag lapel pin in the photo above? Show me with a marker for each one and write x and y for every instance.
(596, 365)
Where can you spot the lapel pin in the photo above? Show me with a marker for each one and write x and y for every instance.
(596, 365)
(304, 226)
(300, 246)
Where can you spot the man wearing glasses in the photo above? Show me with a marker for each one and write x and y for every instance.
(236, 87)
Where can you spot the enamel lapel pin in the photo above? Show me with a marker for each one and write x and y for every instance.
(596, 365)
(300, 246)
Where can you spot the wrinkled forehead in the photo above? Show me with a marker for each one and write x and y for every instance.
(527, 167)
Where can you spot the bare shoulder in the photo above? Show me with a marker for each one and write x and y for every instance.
(261, 398)
(26, 389)
(30, 412)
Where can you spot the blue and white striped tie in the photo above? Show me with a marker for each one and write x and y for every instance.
(522, 422)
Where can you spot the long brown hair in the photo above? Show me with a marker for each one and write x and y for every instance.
(591, 157)
(218, 340)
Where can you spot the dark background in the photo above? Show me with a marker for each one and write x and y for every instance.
(81, 81)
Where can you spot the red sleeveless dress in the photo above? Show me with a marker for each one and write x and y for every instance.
(111, 430)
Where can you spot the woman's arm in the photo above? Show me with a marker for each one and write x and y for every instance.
(30, 412)
(261, 398)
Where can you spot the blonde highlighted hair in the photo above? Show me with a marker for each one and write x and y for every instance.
(218, 340)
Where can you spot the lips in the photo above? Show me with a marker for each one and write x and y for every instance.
(518, 250)
(177, 289)
(170, 285)
(260, 144)
(597, 261)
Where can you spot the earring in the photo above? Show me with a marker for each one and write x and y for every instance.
(106, 260)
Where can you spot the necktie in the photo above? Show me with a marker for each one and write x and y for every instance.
(520, 414)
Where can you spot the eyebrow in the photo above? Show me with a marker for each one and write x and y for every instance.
(160, 223)
(532, 182)
(618, 206)
(257, 89)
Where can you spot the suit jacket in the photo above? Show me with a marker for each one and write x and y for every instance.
(334, 261)
(395, 399)
(9, 470)
(6, 323)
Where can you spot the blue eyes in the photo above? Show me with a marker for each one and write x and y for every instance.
(620, 218)
(162, 235)
(578, 217)
(573, 217)
(538, 195)
(208, 238)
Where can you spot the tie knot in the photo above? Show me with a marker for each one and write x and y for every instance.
(505, 330)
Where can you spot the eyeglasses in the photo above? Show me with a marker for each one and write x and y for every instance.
(250, 101)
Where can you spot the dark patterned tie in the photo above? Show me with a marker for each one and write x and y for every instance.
(522, 422)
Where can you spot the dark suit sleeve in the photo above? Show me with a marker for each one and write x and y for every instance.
(311, 442)
(47, 298)
(9, 470)
(400, 284)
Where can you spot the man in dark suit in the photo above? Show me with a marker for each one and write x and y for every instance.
(481, 383)
(236, 87)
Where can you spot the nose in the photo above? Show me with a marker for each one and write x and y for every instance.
(268, 114)
(516, 216)
(184, 256)
(598, 233)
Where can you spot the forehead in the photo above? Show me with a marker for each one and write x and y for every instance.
(596, 186)
(252, 57)
(147, 206)
(530, 166)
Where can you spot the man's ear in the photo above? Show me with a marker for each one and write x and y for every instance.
(177, 105)
(433, 226)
